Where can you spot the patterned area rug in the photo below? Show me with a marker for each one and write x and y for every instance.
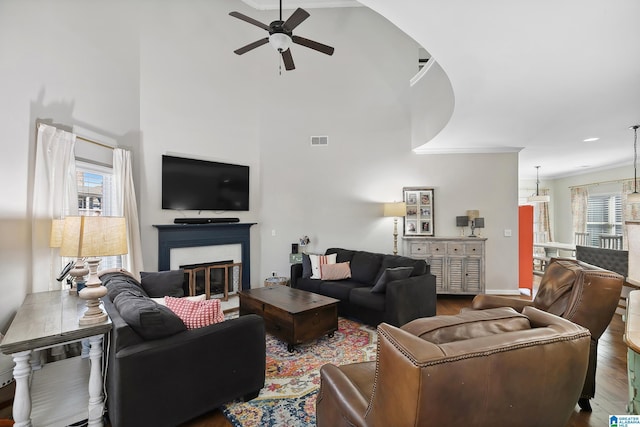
(293, 379)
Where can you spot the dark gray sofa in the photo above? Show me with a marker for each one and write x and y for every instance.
(172, 379)
(402, 301)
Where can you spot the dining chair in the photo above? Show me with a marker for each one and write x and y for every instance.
(611, 241)
(582, 239)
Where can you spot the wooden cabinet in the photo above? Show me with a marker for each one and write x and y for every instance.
(457, 262)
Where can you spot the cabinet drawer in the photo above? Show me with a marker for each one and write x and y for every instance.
(438, 248)
(418, 249)
(473, 248)
(455, 248)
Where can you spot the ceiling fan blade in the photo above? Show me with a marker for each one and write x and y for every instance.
(288, 60)
(251, 46)
(295, 19)
(313, 45)
(250, 20)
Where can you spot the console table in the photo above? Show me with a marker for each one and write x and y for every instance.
(61, 392)
(457, 262)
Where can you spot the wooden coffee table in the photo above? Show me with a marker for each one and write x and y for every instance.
(293, 315)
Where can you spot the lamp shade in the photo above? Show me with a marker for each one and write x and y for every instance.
(473, 214)
(538, 199)
(57, 228)
(633, 197)
(94, 236)
(280, 41)
(462, 221)
(395, 209)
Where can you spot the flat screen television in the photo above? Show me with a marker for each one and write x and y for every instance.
(191, 184)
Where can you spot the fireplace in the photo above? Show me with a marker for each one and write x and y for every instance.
(205, 243)
(217, 279)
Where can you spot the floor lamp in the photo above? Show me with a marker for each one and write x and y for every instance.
(92, 237)
(396, 210)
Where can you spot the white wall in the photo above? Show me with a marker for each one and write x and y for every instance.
(197, 99)
(161, 77)
(69, 62)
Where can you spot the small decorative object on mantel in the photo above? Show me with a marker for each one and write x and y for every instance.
(419, 217)
(304, 241)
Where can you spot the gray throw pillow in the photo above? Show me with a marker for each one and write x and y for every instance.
(118, 282)
(150, 320)
(389, 275)
(163, 283)
(306, 266)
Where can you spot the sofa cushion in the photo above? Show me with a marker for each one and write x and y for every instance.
(150, 320)
(365, 267)
(390, 261)
(196, 314)
(337, 271)
(163, 283)
(339, 289)
(468, 325)
(118, 282)
(363, 297)
(389, 275)
(343, 255)
(308, 284)
(317, 261)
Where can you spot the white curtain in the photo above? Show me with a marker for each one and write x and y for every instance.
(55, 195)
(125, 205)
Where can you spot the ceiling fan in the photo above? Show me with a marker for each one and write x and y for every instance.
(281, 36)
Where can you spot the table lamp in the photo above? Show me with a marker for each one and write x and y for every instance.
(462, 222)
(472, 215)
(93, 237)
(79, 270)
(395, 209)
(479, 224)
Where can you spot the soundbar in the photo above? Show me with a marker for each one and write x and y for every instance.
(204, 220)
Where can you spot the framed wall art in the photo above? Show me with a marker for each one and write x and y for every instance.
(418, 220)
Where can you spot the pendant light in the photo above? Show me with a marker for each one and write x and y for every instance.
(635, 196)
(538, 198)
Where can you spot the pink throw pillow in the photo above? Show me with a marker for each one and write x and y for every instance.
(196, 314)
(339, 271)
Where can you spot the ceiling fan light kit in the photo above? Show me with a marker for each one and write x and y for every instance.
(280, 41)
(281, 36)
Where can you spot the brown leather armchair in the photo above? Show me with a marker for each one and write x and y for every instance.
(577, 291)
(478, 368)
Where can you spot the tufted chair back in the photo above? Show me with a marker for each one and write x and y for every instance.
(582, 293)
(478, 368)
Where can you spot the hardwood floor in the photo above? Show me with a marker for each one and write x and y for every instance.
(611, 382)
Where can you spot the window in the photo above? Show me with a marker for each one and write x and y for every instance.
(604, 216)
(95, 195)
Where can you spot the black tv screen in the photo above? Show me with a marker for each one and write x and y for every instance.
(190, 184)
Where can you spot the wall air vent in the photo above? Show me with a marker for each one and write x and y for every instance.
(317, 141)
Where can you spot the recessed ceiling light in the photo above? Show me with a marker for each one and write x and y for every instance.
(590, 139)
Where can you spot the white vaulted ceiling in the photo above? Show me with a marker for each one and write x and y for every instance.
(537, 76)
